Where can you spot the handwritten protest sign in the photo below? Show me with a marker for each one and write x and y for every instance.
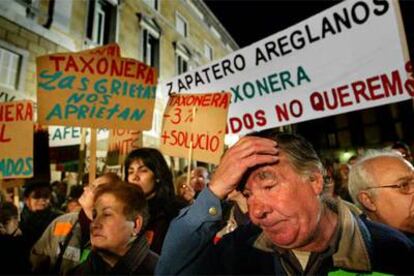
(16, 139)
(95, 90)
(197, 122)
(111, 49)
(349, 57)
(120, 143)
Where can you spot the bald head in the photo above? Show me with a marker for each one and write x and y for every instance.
(374, 183)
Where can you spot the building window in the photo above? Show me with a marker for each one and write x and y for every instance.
(153, 4)
(208, 52)
(182, 64)
(150, 49)
(181, 25)
(215, 32)
(150, 41)
(10, 64)
(24, 8)
(62, 14)
(182, 57)
(196, 10)
(102, 18)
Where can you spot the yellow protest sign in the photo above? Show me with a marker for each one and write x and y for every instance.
(106, 50)
(111, 49)
(195, 122)
(16, 139)
(95, 89)
(120, 143)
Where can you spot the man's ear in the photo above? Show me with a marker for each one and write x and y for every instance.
(138, 224)
(365, 199)
(316, 181)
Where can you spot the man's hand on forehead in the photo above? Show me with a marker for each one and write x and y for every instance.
(249, 152)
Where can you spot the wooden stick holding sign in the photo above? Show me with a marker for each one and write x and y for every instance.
(190, 151)
(82, 155)
(92, 156)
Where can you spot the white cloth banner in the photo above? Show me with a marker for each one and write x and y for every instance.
(349, 57)
(68, 136)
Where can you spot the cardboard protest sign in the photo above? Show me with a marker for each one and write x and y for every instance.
(111, 49)
(120, 143)
(195, 122)
(91, 90)
(349, 57)
(16, 139)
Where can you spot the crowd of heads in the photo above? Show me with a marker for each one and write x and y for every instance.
(379, 182)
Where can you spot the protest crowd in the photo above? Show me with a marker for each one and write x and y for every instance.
(243, 218)
(270, 202)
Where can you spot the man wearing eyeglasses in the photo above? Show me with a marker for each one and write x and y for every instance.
(382, 184)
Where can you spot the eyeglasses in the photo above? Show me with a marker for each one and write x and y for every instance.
(405, 187)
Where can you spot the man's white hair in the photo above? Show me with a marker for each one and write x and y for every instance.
(360, 178)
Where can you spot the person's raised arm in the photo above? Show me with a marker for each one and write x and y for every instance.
(248, 152)
(188, 247)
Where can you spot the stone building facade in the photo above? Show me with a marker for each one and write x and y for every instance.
(173, 36)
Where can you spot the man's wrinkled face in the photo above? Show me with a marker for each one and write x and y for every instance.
(392, 206)
(284, 204)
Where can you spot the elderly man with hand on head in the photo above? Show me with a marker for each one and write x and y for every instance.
(293, 230)
(382, 184)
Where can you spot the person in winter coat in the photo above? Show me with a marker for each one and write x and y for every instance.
(65, 243)
(119, 246)
(294, 229)
(37, 212)
(147, 168)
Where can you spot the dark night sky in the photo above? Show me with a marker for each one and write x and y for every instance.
(248, 21)
(251, 20)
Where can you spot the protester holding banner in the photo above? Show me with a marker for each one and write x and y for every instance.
(294, 231)
(147, 168)
(65, 243)
(117, 237)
